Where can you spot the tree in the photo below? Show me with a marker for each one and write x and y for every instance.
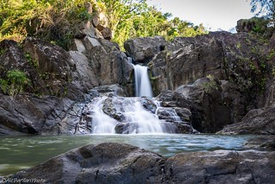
(135, 18)
(263, 7)
(61, 21)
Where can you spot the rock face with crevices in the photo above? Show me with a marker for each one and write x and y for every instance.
(256, 121)
(104, 163)
(113, 163)
(216, 79)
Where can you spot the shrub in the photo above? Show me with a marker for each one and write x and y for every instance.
(14, 83)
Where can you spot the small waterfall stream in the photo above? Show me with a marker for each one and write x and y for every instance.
(102, 123)
(129, 115)
(134, 118)
(142, 81)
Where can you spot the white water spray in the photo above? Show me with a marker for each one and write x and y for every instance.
(142, 82)
(138, 119)
(102, 123)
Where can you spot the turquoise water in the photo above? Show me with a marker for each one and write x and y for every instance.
(18, 153)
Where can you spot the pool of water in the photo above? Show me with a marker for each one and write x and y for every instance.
(18, 153)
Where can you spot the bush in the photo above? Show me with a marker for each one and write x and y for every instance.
(61, 21)
(14, 83)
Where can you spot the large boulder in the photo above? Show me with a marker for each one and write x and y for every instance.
(257, 121)
(84, 78)
(52, 64)
(121, 163)
(34, 115)
(143, 50)
(221, 167)
(103, 163)
(110, 65)
(204, 100)
(195, 59)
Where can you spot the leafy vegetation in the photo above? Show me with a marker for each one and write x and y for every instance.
(264, 7)
(14, 82)
(60, 21)
(130, 19)
(212, 85)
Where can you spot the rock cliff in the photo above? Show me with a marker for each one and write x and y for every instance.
(222, 75)
(217, 78)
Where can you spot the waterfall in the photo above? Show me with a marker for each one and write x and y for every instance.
(140, 120)
(134, 117)
(102, 123)
(142, 82)
(129, 115)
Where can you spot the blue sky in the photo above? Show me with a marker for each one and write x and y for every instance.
(214, 14)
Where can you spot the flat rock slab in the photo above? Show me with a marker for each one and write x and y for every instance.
(123, 163)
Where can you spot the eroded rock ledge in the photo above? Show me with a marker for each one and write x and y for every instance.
(122, 163)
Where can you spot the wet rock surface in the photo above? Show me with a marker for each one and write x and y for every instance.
(122, 163)
(133, 113)
(255, 122)
(261, 142)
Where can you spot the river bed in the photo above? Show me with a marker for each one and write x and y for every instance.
(22, 152)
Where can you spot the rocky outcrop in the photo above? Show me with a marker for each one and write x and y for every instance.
(39, 115)
(204, 100)
(110, 65)
(259, 25)
(105, 163)
(261, 142)
(49, 68)
(221, 167)
(242, 74)
(122, 163)
(59, 79)
(217, 77)
(220, 54)
(142, 50)
(256, 121)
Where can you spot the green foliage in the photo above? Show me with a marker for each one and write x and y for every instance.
(263, 7)
(14, 82)
(60, 21)
(57, 21)
(131, 19)
(211, 85)
(252, 73)
(2, 51)
(33, 62)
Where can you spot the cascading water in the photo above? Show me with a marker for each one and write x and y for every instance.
(141, 120)
(136, 119)
(142, 82)
(102, 123)
(127, 115)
